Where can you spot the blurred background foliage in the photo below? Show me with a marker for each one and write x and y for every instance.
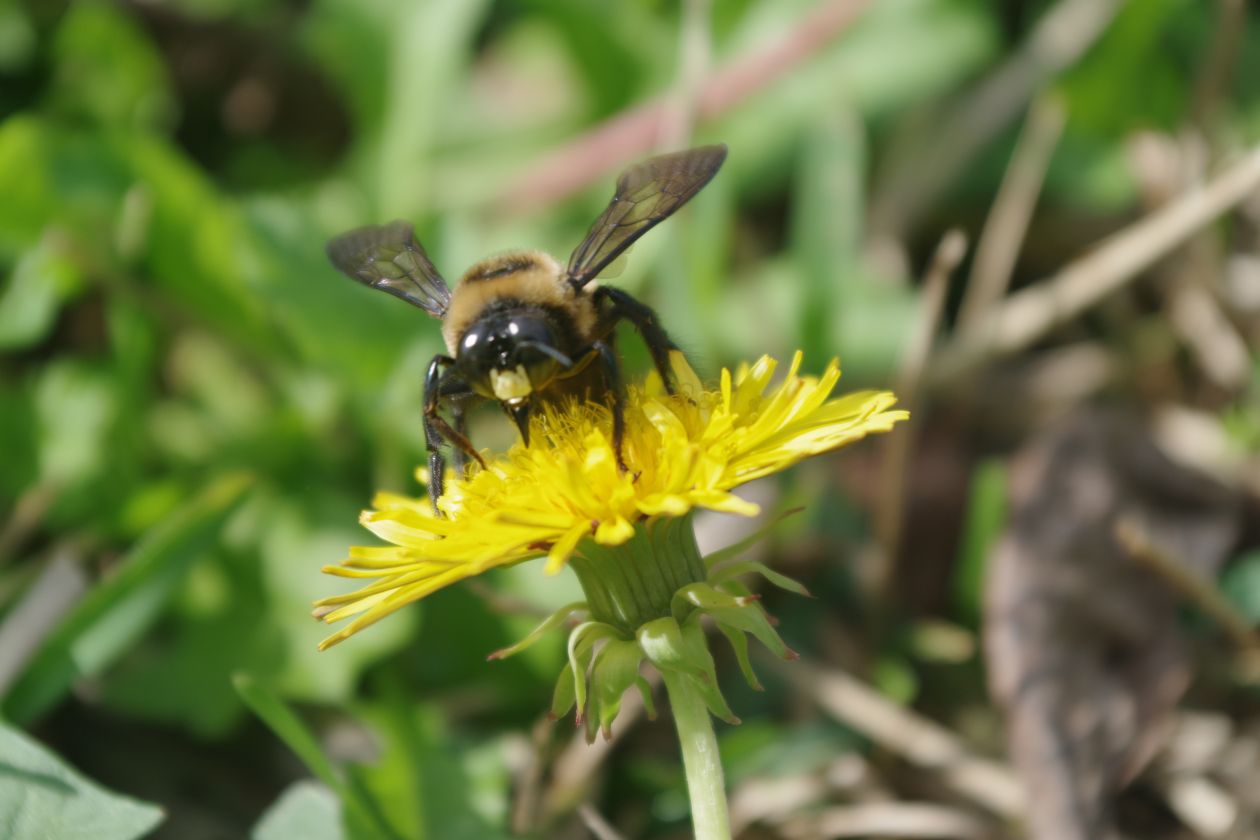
(194, 406)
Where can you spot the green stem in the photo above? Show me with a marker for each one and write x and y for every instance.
(705, 785)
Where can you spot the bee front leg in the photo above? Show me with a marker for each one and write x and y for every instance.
(623, 305)
(438, 432)
(617, 388)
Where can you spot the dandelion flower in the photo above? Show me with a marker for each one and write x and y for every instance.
(564, 491)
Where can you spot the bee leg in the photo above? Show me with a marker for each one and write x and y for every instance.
(437, 431)
(617, 388)
(659, 344)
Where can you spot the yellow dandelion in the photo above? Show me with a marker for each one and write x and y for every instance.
(684, 451)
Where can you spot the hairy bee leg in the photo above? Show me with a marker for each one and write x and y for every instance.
(626, 306)
(612, 377)
(437, 431)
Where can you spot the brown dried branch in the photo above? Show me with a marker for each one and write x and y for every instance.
(635, 132)
(1028, 315)
(1193, 587)
(916, 179)
(918, 740)
(1007, 223)
(898, 448)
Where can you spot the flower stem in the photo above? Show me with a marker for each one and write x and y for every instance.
(701, 762)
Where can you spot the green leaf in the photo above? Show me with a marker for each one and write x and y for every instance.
(1241, 585)
(986, 516)
(107, 69)
(296, 539)
(307, 810)
(429, 781)
(76, 405)
(827, 227)
(42, 280)
(42, 798)
(362, 812)
(108, 621)
(282, 720)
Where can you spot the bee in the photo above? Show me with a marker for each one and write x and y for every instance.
(520, 328)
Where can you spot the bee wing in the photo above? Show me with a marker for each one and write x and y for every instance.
(388, 257)
(647, 193)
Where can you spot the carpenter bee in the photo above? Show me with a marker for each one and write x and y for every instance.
(520, 328)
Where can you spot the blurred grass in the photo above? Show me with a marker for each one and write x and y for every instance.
(169, 325)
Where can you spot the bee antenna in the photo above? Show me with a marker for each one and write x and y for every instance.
(564, 360)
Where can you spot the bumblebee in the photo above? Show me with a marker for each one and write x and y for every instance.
(520, 328)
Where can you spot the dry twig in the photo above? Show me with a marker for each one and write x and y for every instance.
(1194, 588)
(917, 179)
(635, 132)
(920, 741)
(888, 819)
(1028, 315)
(599, 826)
(898, 448)
(1003, 235)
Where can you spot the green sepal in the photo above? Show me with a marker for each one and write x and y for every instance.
(732, 571)
(732, 551)
(697, 647)
(550, 623)
(739, 642)
(565, 694)
(645, 691)
(752, 619)
(706, 598)
(665, 647)
(616, 668)
(581, 642)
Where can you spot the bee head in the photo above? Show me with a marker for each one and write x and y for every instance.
(509, 356)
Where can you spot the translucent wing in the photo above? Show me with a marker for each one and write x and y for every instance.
(646, 194)
(388, 257)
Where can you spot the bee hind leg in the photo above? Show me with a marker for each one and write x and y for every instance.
(438, 432)
(624, 306)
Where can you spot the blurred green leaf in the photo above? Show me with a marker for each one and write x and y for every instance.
(42, 798)
(107, 70)
(364, 818)
(306, 810)
(76, 406)
(294, 547)
(433, 786)
(826, 221)
(17, 38)
(288, 727)
(109, 620)
(986, 517)
(18, 434)
(1241, 583)
(42, 280)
